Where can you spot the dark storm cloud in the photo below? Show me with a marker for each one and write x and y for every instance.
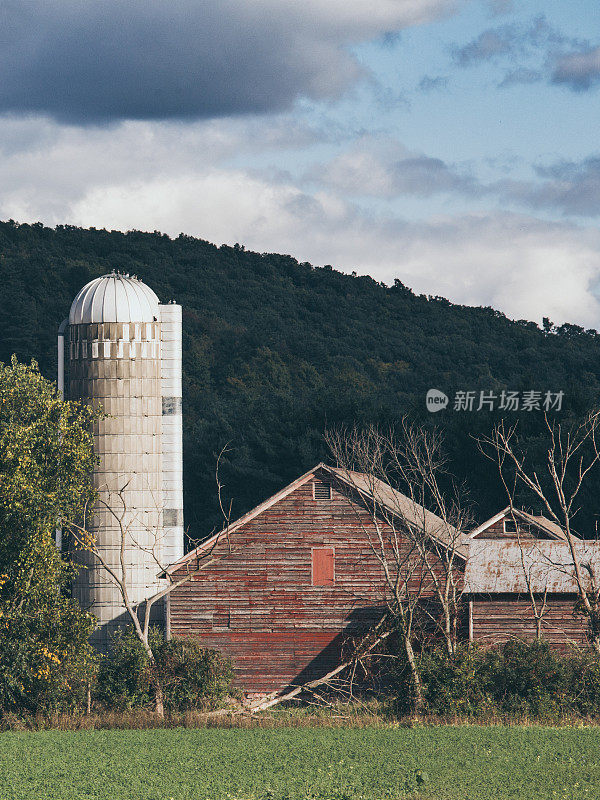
(95, 61)
(91, 61)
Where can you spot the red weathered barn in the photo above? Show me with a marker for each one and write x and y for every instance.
(290, 581)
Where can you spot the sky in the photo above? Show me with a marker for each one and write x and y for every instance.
(451, 144)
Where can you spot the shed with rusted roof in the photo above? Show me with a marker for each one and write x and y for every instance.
(509, 582)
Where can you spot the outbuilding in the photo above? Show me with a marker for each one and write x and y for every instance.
(520, 567)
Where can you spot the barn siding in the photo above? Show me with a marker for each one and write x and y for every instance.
(496, 531)
(282, 629)
(499, 618)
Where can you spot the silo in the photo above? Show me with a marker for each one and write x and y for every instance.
(115, 360)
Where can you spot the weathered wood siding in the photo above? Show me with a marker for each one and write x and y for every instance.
(498, 618)
(526, 531)
(258, 603)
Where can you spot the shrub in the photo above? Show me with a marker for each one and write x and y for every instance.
(583, 679)
(456, 686)
(124, 677)
(516, 678)
(46, 662)
(190, 675)
(528, 677)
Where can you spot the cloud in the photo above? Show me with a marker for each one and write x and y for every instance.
(500, 7)
(488, 45)
(174, 177)
(429, 84)
(95, 62)
(579, 70)
(46, 167)
(522, 75)
(568, 186)
(381, 167)
(534, 50)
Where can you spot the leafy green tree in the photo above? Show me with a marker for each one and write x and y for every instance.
(46, 461)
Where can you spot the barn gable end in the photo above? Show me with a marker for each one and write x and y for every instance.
(293, 581)
(519, 525)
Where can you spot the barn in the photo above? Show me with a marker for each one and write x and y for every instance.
(289, 583)
(286, 588)
(519, 567)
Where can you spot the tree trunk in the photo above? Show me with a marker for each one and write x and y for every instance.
(448, 633)
(417, 685)
(159, 705)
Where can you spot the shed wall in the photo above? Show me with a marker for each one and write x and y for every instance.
(526, 531)
(498, 618)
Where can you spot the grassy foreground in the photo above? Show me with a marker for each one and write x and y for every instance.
(443, 763)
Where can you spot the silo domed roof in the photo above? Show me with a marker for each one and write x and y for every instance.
(114, 298)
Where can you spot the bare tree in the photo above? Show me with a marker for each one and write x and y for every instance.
(570, 456)
(538, 596)
(139, 611)
(414, 533)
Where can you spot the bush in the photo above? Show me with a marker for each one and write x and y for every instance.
(518, 678)
(456, 686)
(529, 678)
(583, 678)
(190, 675)
(46, 662)
(124, 675)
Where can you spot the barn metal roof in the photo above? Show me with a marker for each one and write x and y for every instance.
(114, 298)
(506, 567)
(404, 507)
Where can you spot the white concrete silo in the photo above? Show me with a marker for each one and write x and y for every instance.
(124, 354)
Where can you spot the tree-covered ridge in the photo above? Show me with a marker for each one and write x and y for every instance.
(276, 350)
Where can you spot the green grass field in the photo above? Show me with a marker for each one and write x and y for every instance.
(460, 763)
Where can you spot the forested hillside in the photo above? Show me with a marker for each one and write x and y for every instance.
(275, 351)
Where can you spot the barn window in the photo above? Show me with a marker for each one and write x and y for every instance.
(510, 526)
(321, 490)
(323, 572)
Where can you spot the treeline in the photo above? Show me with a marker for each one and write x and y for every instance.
(275, 351)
